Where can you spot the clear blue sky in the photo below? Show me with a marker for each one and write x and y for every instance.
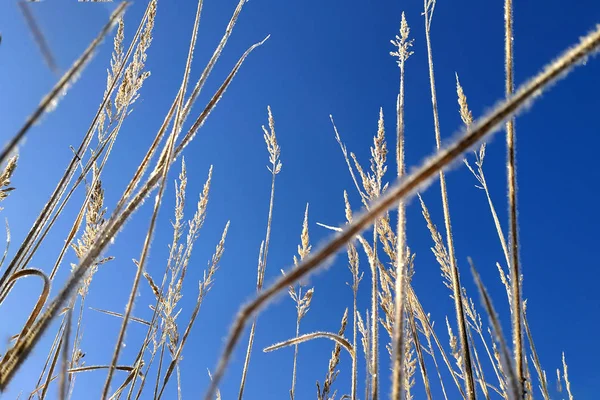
(322, 58)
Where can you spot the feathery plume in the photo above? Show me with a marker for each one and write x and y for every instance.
(5, 176)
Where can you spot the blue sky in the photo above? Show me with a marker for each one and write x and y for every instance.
(322, 58)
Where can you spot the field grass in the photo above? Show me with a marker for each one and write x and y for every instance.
(479, 360)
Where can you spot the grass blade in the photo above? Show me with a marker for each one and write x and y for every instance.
(52, 97)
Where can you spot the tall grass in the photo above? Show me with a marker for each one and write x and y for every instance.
(403, 44)
(477, 359)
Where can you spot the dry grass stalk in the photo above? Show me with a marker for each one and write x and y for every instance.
(20, 259)
(374, 187)
(375, 320)
(63, 382)
(200, 120)
(204, 287)
(302, 300)
(504, 361)
(443, 258)
(517, 327)
(51, 99)
(52, 360)
(139, 173)
(566, 376)
(332, 373)
(38, 37)
(35, 312)
(37, 308)
(431, 352)
(115, 314)
(145, 40)
(353, 265)
(465, 114)
(387, 297)
(419, 349)
(370, 186)
(382, 231)
(500, 365)
(426, 328)
(55, 342)
(410, 363)
(467, 118)
(429, 6)
(366, 344)
(478, 369)
(363, 196)
(121, 217)
(474, 320)
(177, 264)
(480, 176)
(528, 389)
(339, 339)
(122, 212)
(534, 356)
(7, 242)
(475, 324)
(86, 368)
(153, 179)
(274, 154)
(325, 392)
(5, 176)
(113, 113)
(213, 60)
(218, 395)
(403, 52)
(456, 354)
(94, 221)
(169, 150)
(418, 179)
(403, 45)
(94, 218)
